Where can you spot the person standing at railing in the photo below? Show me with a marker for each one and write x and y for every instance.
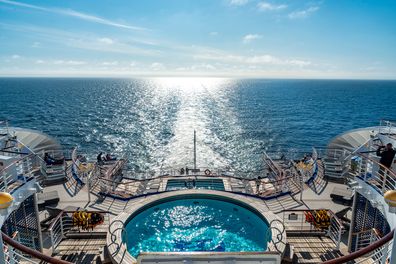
(387, 157)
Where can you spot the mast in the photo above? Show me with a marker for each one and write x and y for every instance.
(195, 150)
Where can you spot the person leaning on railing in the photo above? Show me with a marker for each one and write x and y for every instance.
(387, 157)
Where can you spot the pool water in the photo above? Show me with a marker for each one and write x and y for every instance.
(195, 225)
(212, 184)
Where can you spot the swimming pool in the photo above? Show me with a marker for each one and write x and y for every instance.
(191, 224)
(212, 184)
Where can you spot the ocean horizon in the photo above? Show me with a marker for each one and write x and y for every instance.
(152, 120)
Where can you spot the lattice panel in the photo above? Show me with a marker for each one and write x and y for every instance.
(24, 220)
(367, 217)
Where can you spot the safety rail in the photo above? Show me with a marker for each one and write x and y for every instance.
(20, 170)
(63, 224)
(387, 127)
(14, 252)
(291, 183)
(377, 175)
(295, 221)
(172, 172)
(377, 252)
(365, 238)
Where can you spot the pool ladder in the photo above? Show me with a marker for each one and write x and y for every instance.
(279, 234)
(114, 241)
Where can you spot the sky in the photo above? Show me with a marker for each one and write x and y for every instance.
(228, 38)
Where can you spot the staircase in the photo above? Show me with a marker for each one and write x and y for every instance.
(319, 183)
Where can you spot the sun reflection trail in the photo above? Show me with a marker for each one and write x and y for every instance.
(193, 115)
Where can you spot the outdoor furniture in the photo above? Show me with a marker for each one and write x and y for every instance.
(342, 195)
(47, 199)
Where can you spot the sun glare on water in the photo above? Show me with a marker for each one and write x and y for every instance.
(189, 84)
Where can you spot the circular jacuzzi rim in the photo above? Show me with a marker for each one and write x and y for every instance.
(192, 197)
(117, 248)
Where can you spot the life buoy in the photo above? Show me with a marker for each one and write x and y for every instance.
(207, 172)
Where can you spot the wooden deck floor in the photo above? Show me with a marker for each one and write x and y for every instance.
(81, 251)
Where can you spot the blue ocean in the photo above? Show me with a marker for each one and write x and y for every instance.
(152, 121)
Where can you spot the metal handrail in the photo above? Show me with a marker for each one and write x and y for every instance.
(362, 252)
(375, 230)
(382, 179)
(393, 173)
(32, 252)
(17, 161)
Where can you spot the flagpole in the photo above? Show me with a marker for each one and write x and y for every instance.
(195, 150)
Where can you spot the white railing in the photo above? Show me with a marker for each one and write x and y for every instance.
(13, 255)
(378, 252)
(15, 252)
(387, 127)
(375, 174)
(63, 224)
(335, 230)
(296, 221)
(21, 169)
(365, 238)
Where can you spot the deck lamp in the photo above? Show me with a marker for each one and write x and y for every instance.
(390, 199)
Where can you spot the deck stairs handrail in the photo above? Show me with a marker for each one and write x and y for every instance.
(15, 252)
(295, 222)
(377, 252)
(365, 238)
(63, 224)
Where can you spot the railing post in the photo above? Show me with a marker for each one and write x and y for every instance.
(339, 236)
(385, 175)
(357, 242)
(52, 240)
(5, 181)
(61, 225)
(11, 259)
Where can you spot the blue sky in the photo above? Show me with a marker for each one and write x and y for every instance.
(232, 38)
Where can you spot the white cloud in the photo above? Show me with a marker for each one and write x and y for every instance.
(265, 59)
(15, 56)
(303, 13)
(69, 62)
(214, 33)
(250, 37)
(84, 41)
(203, 66)
(39, 62)
(108, 41)
(238, 2)
(36, 44)
(73, 13)
(157, 66)
(110, 63)
(265, 6)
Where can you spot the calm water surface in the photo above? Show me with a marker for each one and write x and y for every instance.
(152, 120)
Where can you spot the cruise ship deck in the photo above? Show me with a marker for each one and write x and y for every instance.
(72, 210)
